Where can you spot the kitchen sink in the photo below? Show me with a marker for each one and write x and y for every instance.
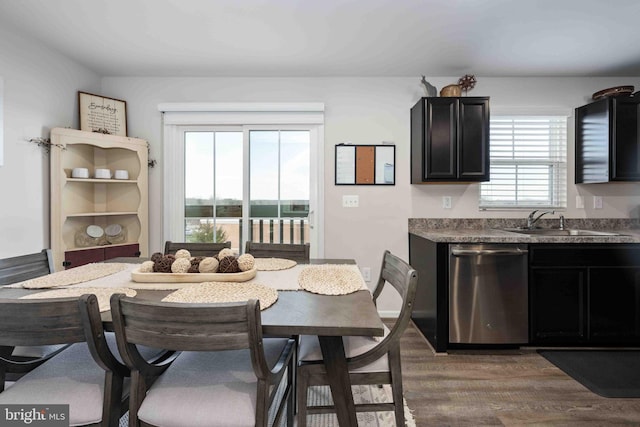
(558, 232)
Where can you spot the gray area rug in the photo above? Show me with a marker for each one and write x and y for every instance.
(361, 394)
(609, 373)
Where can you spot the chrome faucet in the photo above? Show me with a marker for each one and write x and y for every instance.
(532, 219)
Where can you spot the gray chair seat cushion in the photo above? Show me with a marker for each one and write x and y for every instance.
(72, 378)
(207, 389)
(309, 350)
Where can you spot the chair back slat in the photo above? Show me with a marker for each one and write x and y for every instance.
(293, 251)
(40, 322)
(196, 249)
(25, 267)
(191, 327)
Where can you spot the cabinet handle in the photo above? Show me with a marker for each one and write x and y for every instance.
(66, 263)
(463, 252)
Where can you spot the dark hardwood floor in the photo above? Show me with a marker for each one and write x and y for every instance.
(500, 388)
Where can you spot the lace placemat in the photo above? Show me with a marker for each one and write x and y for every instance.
(102, 294)
(331, 279)
(273, 264)
(210, 292)
(83, 273)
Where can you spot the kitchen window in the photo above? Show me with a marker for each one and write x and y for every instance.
(528, 163)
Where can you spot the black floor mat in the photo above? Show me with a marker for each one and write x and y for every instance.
(609, 373)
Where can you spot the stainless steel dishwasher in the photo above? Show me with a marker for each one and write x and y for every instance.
(488, 294)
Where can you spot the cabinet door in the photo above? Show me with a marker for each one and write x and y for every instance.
(473, 139)
(626, 140)
(441, 142)
(558, 305)
(132, 250)
(82, 257)
(592, 142)
(614, 305)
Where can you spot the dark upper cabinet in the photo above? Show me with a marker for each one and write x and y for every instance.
(450, 139)
(608, 141)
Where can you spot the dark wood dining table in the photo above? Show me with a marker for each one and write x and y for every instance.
(330, 317)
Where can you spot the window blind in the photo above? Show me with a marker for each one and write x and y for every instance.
(528, 163)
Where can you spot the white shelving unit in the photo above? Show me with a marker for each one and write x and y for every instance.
(77, 203)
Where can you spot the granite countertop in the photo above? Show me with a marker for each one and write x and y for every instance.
(460, 230)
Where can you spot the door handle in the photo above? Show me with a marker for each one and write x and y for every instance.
(477, 252)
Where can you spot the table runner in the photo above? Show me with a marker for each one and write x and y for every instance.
(102, 294)
(72, 276)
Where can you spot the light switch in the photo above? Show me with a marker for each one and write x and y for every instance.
(350, 201)
(597, 202)
(579, 202)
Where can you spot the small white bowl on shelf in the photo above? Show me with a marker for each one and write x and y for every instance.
(103, 174)
(121, 174)
(80, 173)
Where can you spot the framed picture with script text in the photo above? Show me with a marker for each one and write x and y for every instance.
(102, 114)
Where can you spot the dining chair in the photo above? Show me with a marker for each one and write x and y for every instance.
(25, 267)
(227, 374)
(196, 249)
(371, 361)
(293, 251)
(85, 375)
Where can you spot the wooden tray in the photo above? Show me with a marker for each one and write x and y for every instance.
(243, 276)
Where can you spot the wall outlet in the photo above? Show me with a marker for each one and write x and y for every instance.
(350, 201)
(446, 202)
(597, 202)
(366, 274)
(579, 202)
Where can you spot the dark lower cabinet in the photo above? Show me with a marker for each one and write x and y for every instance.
(86, 256)
(557, 305)
(584, 294)
(614, 316)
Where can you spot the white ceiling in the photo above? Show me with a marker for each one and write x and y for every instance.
(337, 37)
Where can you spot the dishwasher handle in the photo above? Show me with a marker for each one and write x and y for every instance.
(477, 252)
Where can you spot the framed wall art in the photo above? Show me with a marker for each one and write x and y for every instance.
(102, 114)
(365, 164)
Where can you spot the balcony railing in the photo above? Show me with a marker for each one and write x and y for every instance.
(266, 230)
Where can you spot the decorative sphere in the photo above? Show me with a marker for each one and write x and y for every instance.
(195, 264)
(157, 256)
(183, 253)
(180, 265)
(208, 265)
(147, 267)
(228, 264)
(225, 253)
(246, 262)
(164, 265)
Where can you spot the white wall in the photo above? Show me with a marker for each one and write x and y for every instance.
(371, 110)
(40, 92)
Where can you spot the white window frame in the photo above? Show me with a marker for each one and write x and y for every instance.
(180, 117)
(559, 196)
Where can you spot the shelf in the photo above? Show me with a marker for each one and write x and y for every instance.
(100, 247)
(89, 214)
(103, 181)
(77, 203)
